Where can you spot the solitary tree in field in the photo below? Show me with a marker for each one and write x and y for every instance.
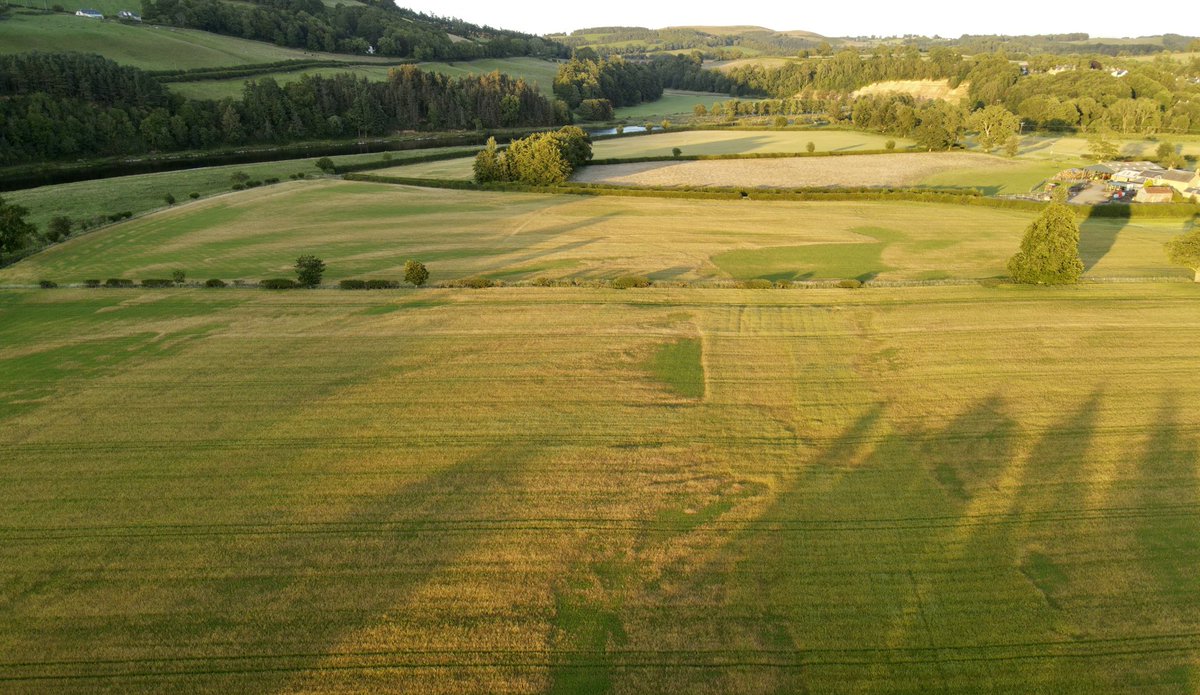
(1012, 146)
(14, 230)
(309, 270)
(993, 125)
(1101, 148)
(178, 276)
(1185, 249)
(811, 147)
(415, 273)
(1049, 252)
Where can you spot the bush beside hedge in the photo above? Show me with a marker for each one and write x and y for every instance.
(157, 282)
(279, 284)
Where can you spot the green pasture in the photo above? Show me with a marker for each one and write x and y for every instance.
(232, 88)
(952, 490)
(144, 192)
(993, 180)
(674, 103)
(143, 46)
(1071, 146)
(364, 229)
(535, 70)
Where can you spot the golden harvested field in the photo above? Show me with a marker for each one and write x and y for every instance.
(919, 89)
(370, 230)
(557, 490)
(796, 172)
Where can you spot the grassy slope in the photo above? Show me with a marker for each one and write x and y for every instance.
(455, 491)
(535, 70)
(143, 46)
(144, 192)
(371, 229)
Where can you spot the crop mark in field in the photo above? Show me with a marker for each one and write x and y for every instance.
(858, 260)
(680, 365)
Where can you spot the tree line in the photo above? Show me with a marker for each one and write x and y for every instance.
(374, 24)
(1047, 92)
(55, 106)
(586, 77)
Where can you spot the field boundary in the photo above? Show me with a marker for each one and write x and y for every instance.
(916, 195)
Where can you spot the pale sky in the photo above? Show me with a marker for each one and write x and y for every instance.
(1107, 18)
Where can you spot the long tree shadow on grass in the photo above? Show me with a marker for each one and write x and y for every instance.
(1098, 233)
(1169, 539)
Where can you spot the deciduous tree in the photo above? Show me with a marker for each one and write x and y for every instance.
(1049, 252)
(14, 230)
(1184, 250)
(309, 270)
(415, 273)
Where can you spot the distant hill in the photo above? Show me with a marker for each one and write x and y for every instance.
(718, 42)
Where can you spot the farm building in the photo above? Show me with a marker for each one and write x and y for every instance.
(90, 14)
(1179, 179)
(1155, 194)
(1102, 171)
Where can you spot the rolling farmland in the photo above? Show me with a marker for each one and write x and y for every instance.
(435, 490)
(365, 229)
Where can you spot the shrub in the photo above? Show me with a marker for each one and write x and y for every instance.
(215, 282)
(477, 283)
(157, 282)
(126, 215)
(889, 145)
(326, 165)
(758, 284)
(47, 284)
(353, 284)
(114, 217)
(254, 183)
(627, 281)
(194, 195)
(415, 273)
(781, 121)
(382, 284)
(850, 284)
(279, 284)
(118, 282)
(91, 283)
(675, 151)
(783, 284)
(272, 180)
(543, 282)
(59, 228)
(811, 147)
(239, 177)
(170, 199)
(238, 186)
(387, 156)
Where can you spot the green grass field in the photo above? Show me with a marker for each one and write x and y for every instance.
(954, 490)
(363, 229)
(674, 103)
(143, 46)
(144, 192)
(535, 70)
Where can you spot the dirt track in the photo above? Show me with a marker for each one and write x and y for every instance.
(792, 172)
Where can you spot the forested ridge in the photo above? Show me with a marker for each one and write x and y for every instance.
(56, 106)
(377, 25)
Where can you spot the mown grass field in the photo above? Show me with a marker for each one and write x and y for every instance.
(144, 192)
(954, 489)
(143, 46)
(370, 230)
(691, 142)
